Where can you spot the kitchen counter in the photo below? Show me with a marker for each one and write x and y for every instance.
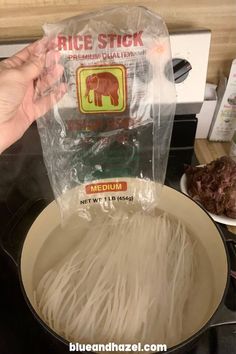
(206, 151)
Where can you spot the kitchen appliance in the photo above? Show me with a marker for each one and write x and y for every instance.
(190, 51)
(24, 181)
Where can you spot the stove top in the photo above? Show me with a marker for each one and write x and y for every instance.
(24, 178)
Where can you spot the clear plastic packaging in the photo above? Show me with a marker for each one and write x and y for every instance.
(114, 124)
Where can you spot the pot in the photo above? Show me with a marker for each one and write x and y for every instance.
(36, 252)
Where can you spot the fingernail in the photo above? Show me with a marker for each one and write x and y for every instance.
(52, 57)
(52, 43)
(41, 46)
(63, 88)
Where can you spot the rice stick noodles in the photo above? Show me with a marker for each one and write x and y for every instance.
(127, 281)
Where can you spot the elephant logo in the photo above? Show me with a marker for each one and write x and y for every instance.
(103, 84)
(101, 88)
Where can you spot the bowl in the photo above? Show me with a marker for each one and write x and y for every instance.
(223, 219)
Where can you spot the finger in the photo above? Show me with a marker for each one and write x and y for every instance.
(24, 55)
(19, 58)
(49, 78)
(37, 47)
(52, 43)
(52, 58)
(44, 104)
(33, 67)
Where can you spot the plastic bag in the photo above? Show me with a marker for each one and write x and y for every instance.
(109, 136)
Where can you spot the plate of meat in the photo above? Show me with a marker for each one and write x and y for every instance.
(214, 187)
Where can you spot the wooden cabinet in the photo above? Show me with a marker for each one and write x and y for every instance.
(24, 18)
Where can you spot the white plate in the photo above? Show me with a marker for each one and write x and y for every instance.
(218, 218)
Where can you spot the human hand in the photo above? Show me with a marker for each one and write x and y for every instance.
(19, 104)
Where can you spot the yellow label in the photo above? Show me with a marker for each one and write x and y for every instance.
(101, 89)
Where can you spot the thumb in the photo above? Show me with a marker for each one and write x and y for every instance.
(33, 67)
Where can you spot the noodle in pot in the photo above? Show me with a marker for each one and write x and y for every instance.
(127, 281)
